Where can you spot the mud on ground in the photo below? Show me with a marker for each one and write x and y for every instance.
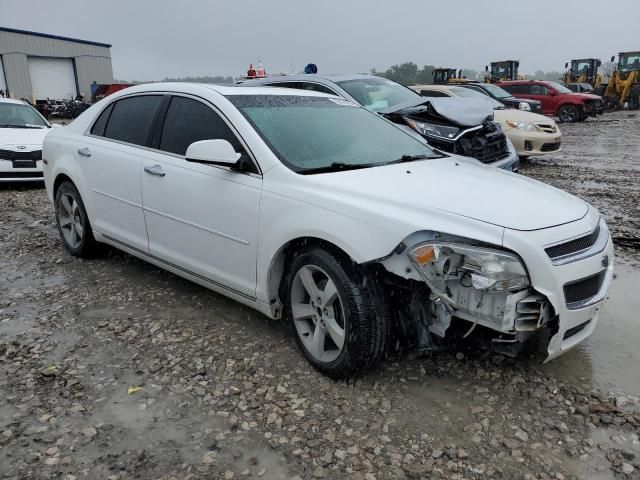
(113, 369)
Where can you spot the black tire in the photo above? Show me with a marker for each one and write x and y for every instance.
(86, 247)
(365, 312)
(634, 97)
(569, 114)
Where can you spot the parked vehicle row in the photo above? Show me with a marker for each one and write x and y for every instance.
(307, 206)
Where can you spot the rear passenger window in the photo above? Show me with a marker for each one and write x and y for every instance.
(131, 119)
(189, 121)
(101, 122)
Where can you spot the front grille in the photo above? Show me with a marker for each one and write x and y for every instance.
(574, 330)
(574, 246)
(487, 144)
(547, 127)
(5, 175)
(581, 291)
(550, 147)
(11, 155)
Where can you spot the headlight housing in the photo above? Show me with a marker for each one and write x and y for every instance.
(524, 106)
(528, 127)
(444, 132)
(485, 269)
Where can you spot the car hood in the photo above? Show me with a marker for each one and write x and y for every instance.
(584, 96)
(520, 116)
(465, 112)
(23, 136)
(451, 185)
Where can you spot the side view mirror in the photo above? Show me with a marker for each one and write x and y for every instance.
(551, 93)
(486, 68)
(566, 65)
(613, 57)
(213, 152)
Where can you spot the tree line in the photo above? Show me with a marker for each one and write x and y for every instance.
(409, 73)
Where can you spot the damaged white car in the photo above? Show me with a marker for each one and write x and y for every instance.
(308, 207)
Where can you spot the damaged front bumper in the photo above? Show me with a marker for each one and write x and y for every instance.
(569, 276)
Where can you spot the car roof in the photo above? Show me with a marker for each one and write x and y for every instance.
(12, 100)
(310, 77)
(225, 90)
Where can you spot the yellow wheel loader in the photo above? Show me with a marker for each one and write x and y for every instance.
(443, 76)
(624, 83)
(503, 71)
(585, 70)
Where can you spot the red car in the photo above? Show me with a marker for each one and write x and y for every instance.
(556, 99)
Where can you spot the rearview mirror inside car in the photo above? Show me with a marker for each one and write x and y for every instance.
(213, 152)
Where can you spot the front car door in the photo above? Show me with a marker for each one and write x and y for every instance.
(201, 218)
(110, 159)
(539, 92)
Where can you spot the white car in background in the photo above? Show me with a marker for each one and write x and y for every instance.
(307, 206)
(22, 131)
(531, 133)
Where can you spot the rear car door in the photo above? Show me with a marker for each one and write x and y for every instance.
(110, 159)
(535, 91)
(201, 218)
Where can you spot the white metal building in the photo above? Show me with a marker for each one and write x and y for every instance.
(37, 66)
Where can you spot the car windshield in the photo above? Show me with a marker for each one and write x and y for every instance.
(630, 62)
(558, 88)
(315, 134)
(378, 93)
(469, 93)
(18, 115)
(496, 91)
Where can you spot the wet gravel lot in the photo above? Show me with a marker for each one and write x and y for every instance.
(114, 369)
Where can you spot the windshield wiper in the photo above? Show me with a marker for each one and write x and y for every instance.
(20, 126)
(336, 167)
(411, 158)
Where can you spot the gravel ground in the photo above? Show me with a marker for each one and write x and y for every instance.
(113, 369)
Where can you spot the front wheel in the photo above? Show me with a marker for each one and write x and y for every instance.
(634, 98)
(338, 314)
(569, 114)
(73, 223)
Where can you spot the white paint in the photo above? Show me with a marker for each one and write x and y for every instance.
(3, 80)
(52, 78)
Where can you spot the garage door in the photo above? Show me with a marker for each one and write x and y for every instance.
(52, 78)
(3, 83)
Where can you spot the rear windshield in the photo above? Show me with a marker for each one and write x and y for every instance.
(378, 93)
(310, 133)
(17, 115)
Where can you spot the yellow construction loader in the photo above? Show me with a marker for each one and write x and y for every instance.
(624, 83)
(443, 76)
(585, 70)
(503, 71)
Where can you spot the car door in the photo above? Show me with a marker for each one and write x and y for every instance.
(110, 159)
(541, 93)
(201, 218)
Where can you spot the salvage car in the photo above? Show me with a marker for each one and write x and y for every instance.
(463, 129)
(307, 206)
(22, 130)
(504, 97)
(530, 133)
(557, 100)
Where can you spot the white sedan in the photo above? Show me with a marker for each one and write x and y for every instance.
(22, 131)
(308, 207)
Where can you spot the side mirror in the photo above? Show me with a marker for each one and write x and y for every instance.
(213, 152)
(566, 65)
(486, 68)
(551, 93)
(613, 57)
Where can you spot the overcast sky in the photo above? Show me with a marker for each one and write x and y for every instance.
(161, 38)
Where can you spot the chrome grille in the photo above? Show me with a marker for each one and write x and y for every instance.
(574, 246)
(12, 155)
(581, 291)
(547, 128)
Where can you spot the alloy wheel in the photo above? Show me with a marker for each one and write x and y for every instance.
(70, 220)
(318, 314)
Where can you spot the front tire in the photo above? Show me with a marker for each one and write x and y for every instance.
(634, 98)
(73, 223)
(338, 314)
(569, 114)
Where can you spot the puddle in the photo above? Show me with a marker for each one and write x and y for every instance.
(609, 359)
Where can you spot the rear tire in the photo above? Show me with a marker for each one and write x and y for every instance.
(338, 314)
(569, 114)
(73, 224)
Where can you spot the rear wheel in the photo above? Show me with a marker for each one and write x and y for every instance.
(634, 98)
(569, 114)
(338, 314)
(73, 223)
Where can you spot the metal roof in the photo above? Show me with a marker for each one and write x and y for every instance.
(56, 37)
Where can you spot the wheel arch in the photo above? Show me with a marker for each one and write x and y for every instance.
(60, 178)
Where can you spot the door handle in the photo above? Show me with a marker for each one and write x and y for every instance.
(85, 152)
(155, 170)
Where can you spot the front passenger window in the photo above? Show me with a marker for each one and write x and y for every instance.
(188, 121)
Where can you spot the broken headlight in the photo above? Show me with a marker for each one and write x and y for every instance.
(482, 268)
(444, 132)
